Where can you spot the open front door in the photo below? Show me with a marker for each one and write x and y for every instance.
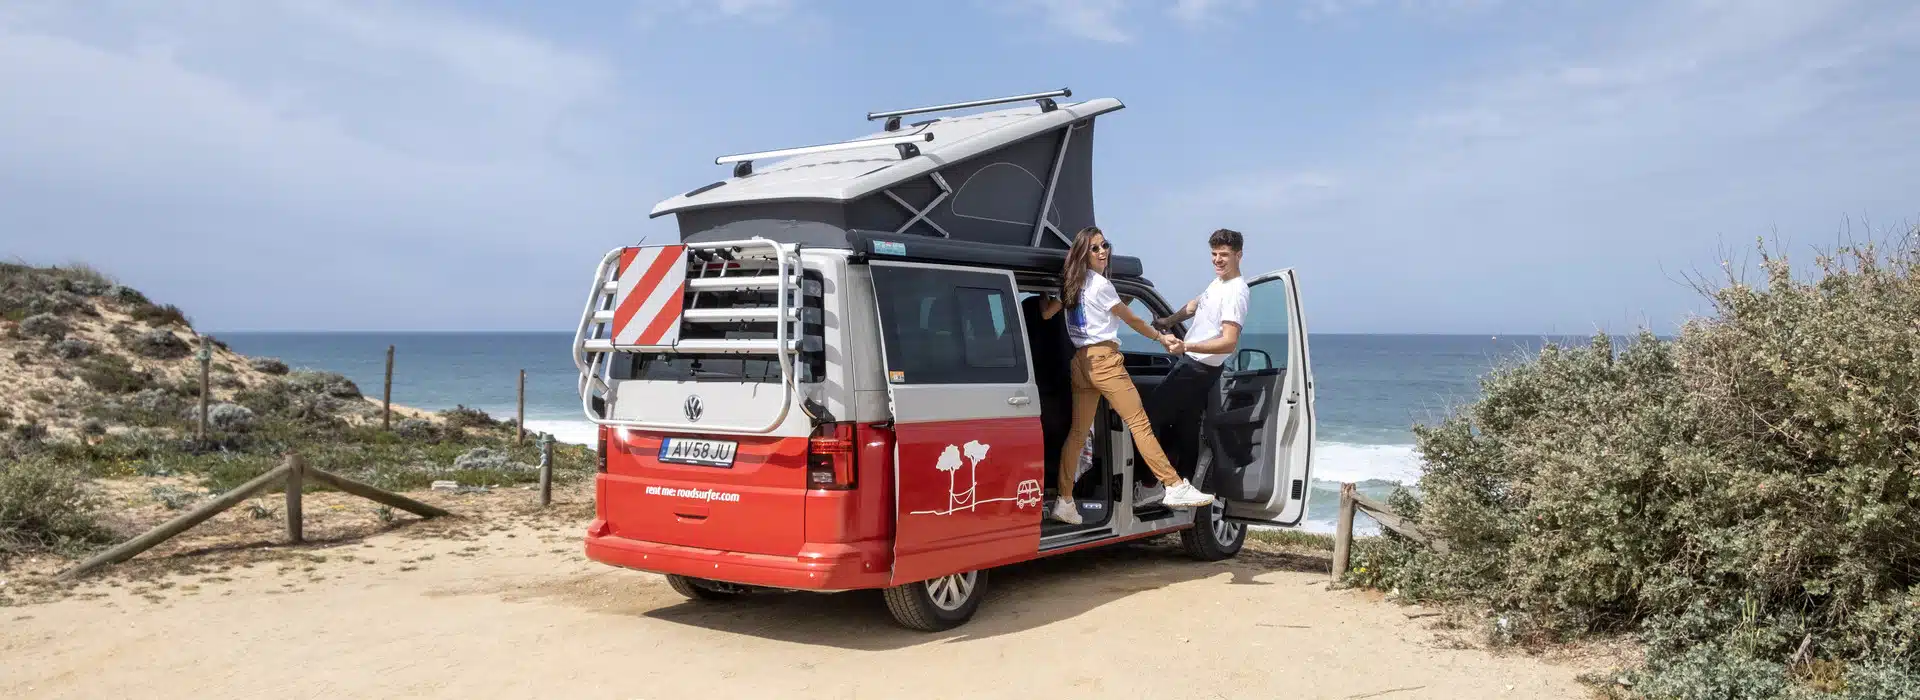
(1261, 431)
(968, 454)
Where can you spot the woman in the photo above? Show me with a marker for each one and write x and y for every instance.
(1094, 313)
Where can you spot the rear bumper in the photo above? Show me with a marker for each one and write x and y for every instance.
(818, 567)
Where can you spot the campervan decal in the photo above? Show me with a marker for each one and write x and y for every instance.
(1026, 495)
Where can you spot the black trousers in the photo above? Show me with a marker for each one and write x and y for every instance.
(1177, 409)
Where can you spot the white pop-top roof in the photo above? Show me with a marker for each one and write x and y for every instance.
(844, 175)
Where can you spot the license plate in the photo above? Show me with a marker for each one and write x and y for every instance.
(711, 453)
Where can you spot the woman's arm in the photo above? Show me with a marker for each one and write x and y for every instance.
(1050, 307)
(1125, 314)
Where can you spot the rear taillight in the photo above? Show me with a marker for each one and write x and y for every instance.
(603, 448)
(831, 456)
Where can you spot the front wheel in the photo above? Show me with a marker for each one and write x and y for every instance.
(937, 604)
(1213, 537)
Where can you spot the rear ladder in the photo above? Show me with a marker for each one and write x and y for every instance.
(752, 265)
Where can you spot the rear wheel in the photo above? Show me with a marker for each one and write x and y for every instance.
(937, 604)
(701, 589)
(1213, 537)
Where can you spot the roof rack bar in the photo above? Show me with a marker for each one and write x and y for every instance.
(903, 141)
(1045, 98)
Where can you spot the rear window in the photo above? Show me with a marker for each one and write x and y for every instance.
(810, 365)
(949, 326)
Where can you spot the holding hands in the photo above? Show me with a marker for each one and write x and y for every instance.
(1173, 344)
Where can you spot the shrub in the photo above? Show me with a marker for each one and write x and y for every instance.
(331, 384)
(268, 365)
(161, 316)
(46, 507)
(161, 344)
(112, 374)
(462, 417)
(417, 429)
(128, 295)
(230, 418)
(45, 325)
(72, 349)
(1736, 489)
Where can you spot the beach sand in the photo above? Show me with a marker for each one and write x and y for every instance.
(502, 603)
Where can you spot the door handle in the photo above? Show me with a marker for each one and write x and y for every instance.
(1018, 400)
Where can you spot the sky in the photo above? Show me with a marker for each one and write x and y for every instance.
(1428, 166)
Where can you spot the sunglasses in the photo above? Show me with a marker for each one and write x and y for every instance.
(1102, 246)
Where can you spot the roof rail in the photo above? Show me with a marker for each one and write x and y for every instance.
(743, 162)
(1045, 98)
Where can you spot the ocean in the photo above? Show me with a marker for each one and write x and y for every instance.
(1371, 389)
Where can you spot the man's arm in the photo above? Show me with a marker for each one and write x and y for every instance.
(1223, 343)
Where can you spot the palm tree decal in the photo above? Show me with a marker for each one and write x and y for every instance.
(971, 454)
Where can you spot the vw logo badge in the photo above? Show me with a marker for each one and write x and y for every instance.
(692, 407)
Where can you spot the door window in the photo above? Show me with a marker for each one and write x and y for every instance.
(949, 327)
(1263, 338)
(1130, 339)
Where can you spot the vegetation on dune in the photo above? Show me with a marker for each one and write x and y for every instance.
(1742, 497)
(126, 405)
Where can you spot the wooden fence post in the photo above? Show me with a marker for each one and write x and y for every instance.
(546, 469)
(386, 395)
(520, 432)
(146, 541)
(1343, 532)
(205, 355)
(374, 494)
(296, 471)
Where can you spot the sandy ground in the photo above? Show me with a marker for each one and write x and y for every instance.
(507, 606)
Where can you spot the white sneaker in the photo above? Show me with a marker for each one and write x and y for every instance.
(1064, 511)
(1147, 494)
(1184, 495)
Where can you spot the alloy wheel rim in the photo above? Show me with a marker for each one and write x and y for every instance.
(951, 592)
(1225, 532)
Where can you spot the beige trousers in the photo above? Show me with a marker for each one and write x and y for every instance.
(1099, 371)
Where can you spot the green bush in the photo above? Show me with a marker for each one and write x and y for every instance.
(1741, 487)
(462, 417)
(46, 507)
(160, 316)
(112, 374)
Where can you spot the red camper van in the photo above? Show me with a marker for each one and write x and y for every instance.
(838, 378)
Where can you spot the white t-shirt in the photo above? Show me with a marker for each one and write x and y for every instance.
(1222, 302)
(1093, 321)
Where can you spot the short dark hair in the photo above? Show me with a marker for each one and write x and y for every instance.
(1226, 237)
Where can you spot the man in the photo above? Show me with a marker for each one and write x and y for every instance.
(1179, 405)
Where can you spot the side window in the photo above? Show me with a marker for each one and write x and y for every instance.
(1130, 339)
(949, 326)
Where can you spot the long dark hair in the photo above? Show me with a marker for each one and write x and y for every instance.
(1075, 272)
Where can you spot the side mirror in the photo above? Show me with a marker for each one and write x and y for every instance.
(1252, 360)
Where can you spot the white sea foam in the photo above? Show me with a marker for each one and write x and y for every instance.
(1340, 461)
(574, 432)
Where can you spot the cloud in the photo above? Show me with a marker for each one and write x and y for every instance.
(1196, 12)
(652, 12)
(1095, 20)
(1593, 172)
(304, 147)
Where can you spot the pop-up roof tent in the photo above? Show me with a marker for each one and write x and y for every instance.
(983, 179)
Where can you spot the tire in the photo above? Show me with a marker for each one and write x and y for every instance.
(938, 604)
(698, 589)
(1213, 537)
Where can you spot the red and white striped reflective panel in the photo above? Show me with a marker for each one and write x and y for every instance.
(653, 283)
